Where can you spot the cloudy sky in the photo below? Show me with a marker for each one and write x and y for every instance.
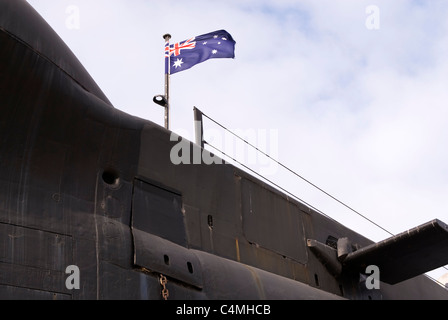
(350, 94)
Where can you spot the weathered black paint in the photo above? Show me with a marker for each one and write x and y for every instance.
(82, 183)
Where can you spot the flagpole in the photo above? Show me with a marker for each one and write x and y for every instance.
(167, 38)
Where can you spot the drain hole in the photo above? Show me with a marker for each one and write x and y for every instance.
(210, 221)
(166, 259)
(190, 267)
(316, 279)
(110, 177)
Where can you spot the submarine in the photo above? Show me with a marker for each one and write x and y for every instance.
(92, 207)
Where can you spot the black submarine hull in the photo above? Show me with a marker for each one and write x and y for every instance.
(92, 207)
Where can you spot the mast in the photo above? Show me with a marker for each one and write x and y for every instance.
(167, 38)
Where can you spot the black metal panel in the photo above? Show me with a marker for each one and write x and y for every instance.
(272, 222)
(15, 293)
(33, 261)
(225, 279)
(163, 256)
(37, 248)
(158, 211)
(118, 283)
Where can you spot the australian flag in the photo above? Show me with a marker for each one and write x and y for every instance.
(185, 54)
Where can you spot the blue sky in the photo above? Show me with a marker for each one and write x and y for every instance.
(360, 112)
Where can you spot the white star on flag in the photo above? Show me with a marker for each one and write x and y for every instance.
(178, 63)
(215, 51)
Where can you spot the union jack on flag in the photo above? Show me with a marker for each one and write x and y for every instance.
(185, 54)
